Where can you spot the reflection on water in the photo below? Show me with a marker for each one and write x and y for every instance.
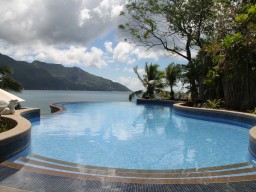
(137, 136)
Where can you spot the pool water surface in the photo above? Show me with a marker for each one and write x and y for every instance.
(126, 135)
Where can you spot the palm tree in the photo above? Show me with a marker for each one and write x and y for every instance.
(172, 73)
(7, 82)
(152, 80)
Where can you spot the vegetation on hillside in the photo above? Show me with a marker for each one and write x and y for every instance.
(43, 76)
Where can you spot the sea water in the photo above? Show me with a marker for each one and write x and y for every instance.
(43, 98)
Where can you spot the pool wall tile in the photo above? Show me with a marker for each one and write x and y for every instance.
(18, 138)
(158, 102)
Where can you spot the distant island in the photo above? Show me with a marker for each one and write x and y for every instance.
(45, 76)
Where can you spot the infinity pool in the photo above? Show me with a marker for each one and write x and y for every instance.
(126, 135)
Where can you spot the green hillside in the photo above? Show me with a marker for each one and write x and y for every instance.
(44, 76)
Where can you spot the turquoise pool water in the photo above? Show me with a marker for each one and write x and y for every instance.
(126, 135)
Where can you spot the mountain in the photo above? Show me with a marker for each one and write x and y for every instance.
(44, 76)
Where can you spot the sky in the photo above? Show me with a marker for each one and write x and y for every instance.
(81, 33)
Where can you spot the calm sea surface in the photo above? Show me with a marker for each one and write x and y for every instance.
(43, 98)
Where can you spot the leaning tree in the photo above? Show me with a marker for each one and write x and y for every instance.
(178, 26)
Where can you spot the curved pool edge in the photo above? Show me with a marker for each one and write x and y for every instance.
(18, 138)
(56, 108)
(224, 114)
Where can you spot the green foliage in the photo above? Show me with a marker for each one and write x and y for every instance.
(172, 73)
(254, 111)
(213, 103)
(224, 33)
(6, 80)
(212, 75)
(242, 18)
(232, 39)
(152, 80)
(5, 125)
(233, 47)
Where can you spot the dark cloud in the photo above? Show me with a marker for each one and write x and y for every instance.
(56, 21)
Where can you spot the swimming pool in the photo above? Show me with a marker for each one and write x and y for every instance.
(126, 135)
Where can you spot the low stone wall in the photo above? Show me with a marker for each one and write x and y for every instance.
(18, 138)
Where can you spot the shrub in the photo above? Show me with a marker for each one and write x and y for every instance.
(213, 103)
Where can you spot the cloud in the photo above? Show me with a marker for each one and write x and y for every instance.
(78, 55)
(58, 21)
(108, 46)
(123, 52)
(133, 83)
(128, 54)
(111, 8)
(71, 55)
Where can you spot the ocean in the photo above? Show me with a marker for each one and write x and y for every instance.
(43, 98)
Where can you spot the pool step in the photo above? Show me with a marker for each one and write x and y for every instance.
(81, 166)
(41, 162)
(149, 180)
(122, 173)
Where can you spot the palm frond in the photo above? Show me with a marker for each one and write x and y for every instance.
(134, 94)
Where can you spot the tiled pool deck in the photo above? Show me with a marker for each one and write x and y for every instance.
(38, 173)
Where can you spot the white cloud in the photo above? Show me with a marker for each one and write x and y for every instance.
(149, 54)
(95, 57)
(123, 53)
(73, 55)
(108, 46)
(133, 83)
(109, 8)
(128, 54)
(84, 15)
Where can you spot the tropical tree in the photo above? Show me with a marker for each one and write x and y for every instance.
(7, 82)
(178, 26)
(233, 48)
(172, 74)
(152, 81)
